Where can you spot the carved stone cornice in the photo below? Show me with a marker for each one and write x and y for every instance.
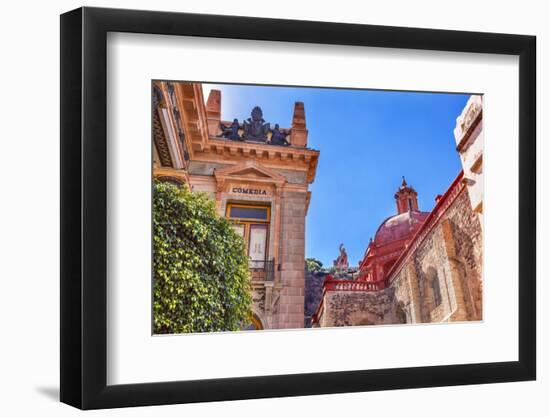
(288, 156)
(178, 176)
(160, 140)
(468, 120)
(190, 105)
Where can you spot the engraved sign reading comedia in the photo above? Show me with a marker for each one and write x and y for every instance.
(249, 191)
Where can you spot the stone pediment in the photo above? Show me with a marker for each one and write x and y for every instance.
(251, 171)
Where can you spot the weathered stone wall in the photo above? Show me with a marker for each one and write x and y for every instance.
(290, 306)
(451, 253)
(293, 177)
(205, 168)
(354, 308)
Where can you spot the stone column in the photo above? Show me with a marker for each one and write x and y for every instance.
(277, 227)
(456, 293)
(414, 293)
(268, 304)
(213, 112)
(298, 136)
(292, 258)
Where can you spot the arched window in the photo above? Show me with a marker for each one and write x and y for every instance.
(255, 323)
(436, 291)
(401, 313)
(433, 283)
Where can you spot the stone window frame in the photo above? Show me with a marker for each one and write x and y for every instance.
(227, 199)
(436, 291)
(432, 289)
(251, 222)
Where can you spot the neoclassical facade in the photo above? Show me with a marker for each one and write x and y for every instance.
(258, 174)
(421, 267)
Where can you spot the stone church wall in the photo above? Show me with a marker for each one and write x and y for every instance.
(451, 253)
(351, 308)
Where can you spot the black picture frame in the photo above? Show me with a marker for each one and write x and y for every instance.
(84, 207)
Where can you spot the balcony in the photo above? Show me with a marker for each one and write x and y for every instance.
(262, 270)
(349, 285)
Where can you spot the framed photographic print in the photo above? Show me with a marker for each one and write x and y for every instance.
(257, 208)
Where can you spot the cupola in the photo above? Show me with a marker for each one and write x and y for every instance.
(406, 198)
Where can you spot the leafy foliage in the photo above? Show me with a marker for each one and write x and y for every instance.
(200, 269)
(313, 265)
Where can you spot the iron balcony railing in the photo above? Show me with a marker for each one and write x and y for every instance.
(262, 270)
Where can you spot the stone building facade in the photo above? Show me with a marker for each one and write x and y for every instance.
(259, 176)
(421, 267)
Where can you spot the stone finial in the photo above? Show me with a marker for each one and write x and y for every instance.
(298, 136)
(214, 112)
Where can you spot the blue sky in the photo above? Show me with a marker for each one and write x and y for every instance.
(368, 139)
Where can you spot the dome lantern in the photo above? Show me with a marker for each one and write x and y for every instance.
(406, 198)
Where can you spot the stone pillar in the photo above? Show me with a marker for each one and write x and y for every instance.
(268, 304)
(298, 136)
(414, 294)
(213, 112)
(277, 227)
(456, 293)
(290, 310)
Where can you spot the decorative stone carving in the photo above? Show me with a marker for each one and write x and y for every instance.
(341, 263)
(255, 127)
(160, 140)
(158, 97)
(171, 92)
(231, 132)
(469, 115)
(278, 137)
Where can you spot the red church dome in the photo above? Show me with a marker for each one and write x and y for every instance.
(392, 236)
(400, 226)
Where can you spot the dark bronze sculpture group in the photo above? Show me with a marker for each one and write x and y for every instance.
(254, 129)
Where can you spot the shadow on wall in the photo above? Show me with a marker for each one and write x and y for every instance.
(49, 392)
(313, 292)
